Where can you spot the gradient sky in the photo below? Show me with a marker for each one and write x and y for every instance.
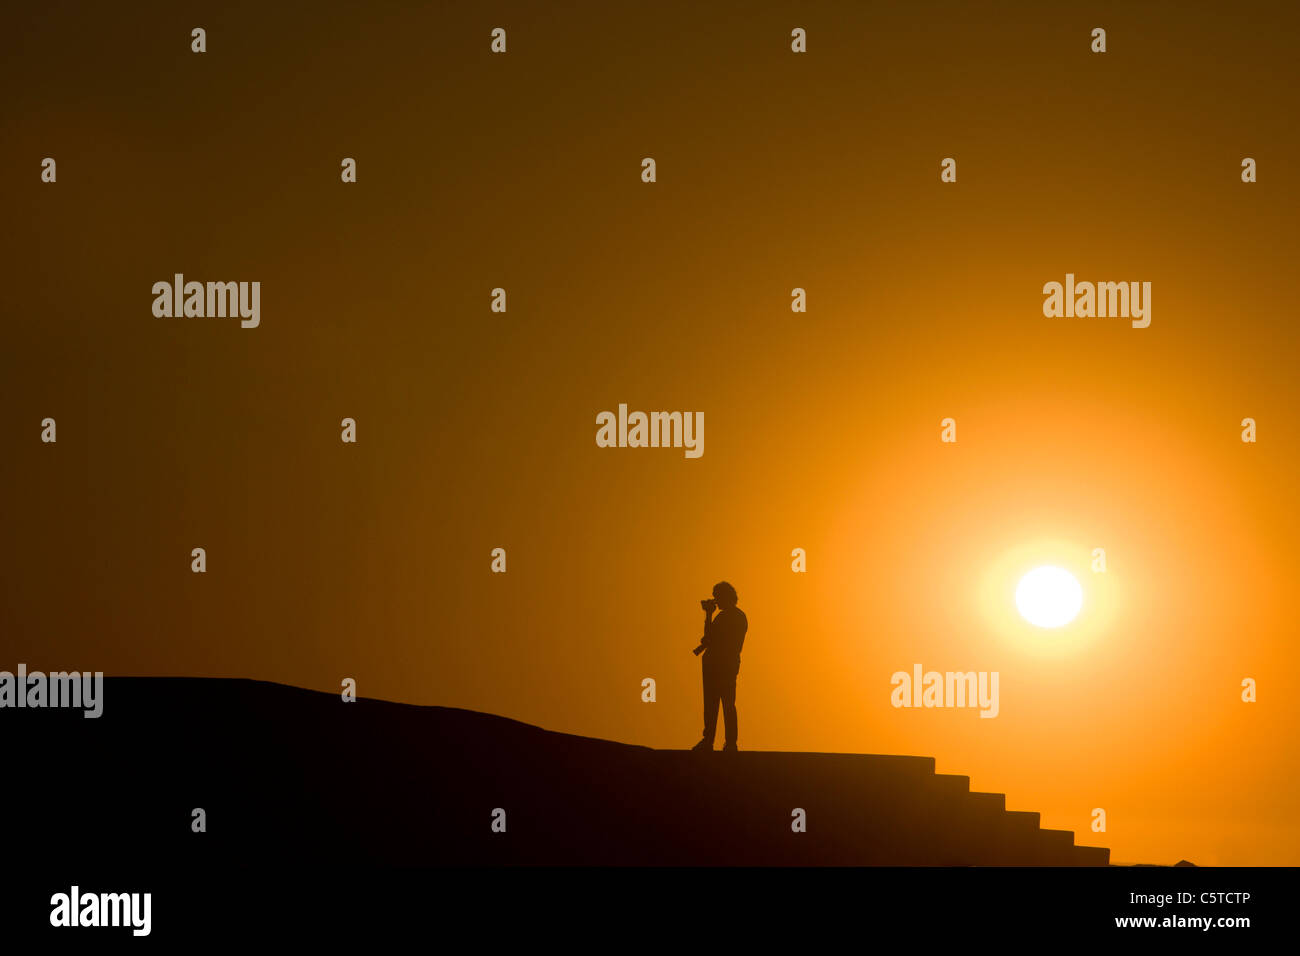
(476, 430)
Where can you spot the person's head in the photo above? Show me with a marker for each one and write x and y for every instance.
(725, 595)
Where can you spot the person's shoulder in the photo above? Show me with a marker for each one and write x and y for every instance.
(741, 615)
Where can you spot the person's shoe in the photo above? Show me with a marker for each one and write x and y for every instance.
(730, 748)
(706, 745)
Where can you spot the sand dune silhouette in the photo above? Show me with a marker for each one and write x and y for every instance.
(286, 773)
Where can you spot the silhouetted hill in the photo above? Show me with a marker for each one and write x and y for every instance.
(285, 773)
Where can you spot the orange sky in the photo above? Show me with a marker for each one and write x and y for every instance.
(476, 430)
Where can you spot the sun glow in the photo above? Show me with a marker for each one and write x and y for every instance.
(1049, 597)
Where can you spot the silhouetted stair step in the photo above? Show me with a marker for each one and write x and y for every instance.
(1056, 848)
(1023, 819)
(1063, 837)
(989, 802)
(952, 784)
(1092, 855)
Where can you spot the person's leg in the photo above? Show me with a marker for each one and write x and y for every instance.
(728, 694)
(712, 697)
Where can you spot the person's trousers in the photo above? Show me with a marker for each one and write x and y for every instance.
(720, 688)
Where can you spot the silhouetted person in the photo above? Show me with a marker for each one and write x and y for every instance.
(724, 636)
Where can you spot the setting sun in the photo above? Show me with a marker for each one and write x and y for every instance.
(1049, 597)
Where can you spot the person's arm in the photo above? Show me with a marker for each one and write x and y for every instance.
(708, 627)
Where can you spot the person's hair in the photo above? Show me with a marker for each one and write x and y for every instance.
(724, 589)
